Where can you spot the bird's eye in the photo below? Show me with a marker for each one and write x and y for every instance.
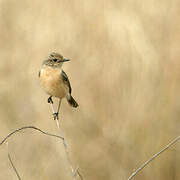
(54, 60)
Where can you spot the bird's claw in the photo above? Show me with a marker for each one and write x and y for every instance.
(50, 100)
(56, 116)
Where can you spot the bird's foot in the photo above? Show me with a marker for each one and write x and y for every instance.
(50, 100)
(56, 116)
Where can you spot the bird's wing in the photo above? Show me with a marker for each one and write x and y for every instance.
(66, 80)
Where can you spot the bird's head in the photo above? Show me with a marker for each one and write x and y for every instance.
(55, 60)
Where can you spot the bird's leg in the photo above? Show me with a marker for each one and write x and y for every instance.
(56, 115)
(50, 100)
(59, 106)
(52, 107)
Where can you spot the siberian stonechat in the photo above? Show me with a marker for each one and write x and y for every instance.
(54, 80)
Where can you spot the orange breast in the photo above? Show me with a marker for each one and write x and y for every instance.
(52, 82)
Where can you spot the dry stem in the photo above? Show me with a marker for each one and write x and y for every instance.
(153, 157)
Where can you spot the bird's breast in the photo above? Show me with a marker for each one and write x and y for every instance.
(52, 83)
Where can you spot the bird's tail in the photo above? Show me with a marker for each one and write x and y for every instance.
(71, 101)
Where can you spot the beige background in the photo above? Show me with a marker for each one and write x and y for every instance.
(125, 74)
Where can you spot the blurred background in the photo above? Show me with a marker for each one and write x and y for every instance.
(125, 75)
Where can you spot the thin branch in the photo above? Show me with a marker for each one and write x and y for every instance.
(74, 172)
(153, 157)
(29, 127)
(67, 152)
(13, 166)
(9, 157)
(79, 174)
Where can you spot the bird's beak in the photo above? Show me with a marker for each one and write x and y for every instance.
(65, 60)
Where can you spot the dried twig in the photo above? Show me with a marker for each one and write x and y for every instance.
(13, 166)
(67, 152)
(29, 127)
(9, 157)
(18, 130)
(153, 157)
(74, 172)
(79, 174)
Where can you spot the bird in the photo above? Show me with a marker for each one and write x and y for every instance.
(55, 81)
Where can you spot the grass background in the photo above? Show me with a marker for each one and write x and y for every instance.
(125, 74)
